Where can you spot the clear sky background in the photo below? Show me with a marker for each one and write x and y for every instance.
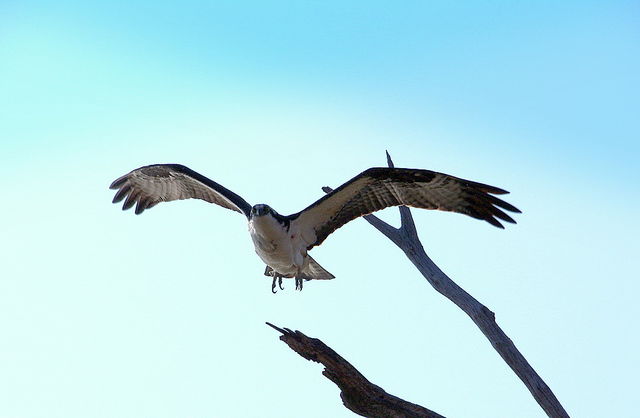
(108, 314)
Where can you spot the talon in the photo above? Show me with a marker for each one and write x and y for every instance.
(273, 286)
(279, 283)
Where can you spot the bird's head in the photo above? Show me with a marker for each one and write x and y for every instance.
(261, 210)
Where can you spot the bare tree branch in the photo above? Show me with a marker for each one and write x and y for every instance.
(357, 393)
(407, 239)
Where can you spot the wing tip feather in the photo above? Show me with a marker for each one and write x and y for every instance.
(118, 182)
(121, 194)
(493, 221)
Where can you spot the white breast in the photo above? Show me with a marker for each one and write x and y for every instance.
(282, 250)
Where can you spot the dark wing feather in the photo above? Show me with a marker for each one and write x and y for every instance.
(147, 186)
(378, 188)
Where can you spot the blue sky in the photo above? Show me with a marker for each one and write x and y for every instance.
(108, 314)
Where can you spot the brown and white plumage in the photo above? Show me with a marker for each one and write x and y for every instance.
(147, 186)
(382, 187)
(282, 242)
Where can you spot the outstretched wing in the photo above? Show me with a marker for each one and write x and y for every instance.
(147, 186)
(378, 188)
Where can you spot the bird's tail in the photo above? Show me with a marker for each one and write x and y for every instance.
(315, 271)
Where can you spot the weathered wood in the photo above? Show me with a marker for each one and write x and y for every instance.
(407, 239)
(358, 394)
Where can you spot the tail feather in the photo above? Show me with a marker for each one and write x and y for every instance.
(315, 271)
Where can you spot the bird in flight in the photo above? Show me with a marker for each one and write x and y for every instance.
(283, 242)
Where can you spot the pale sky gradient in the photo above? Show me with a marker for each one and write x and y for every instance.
(108, 314)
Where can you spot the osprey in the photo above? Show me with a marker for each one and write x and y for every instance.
(282, 242)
